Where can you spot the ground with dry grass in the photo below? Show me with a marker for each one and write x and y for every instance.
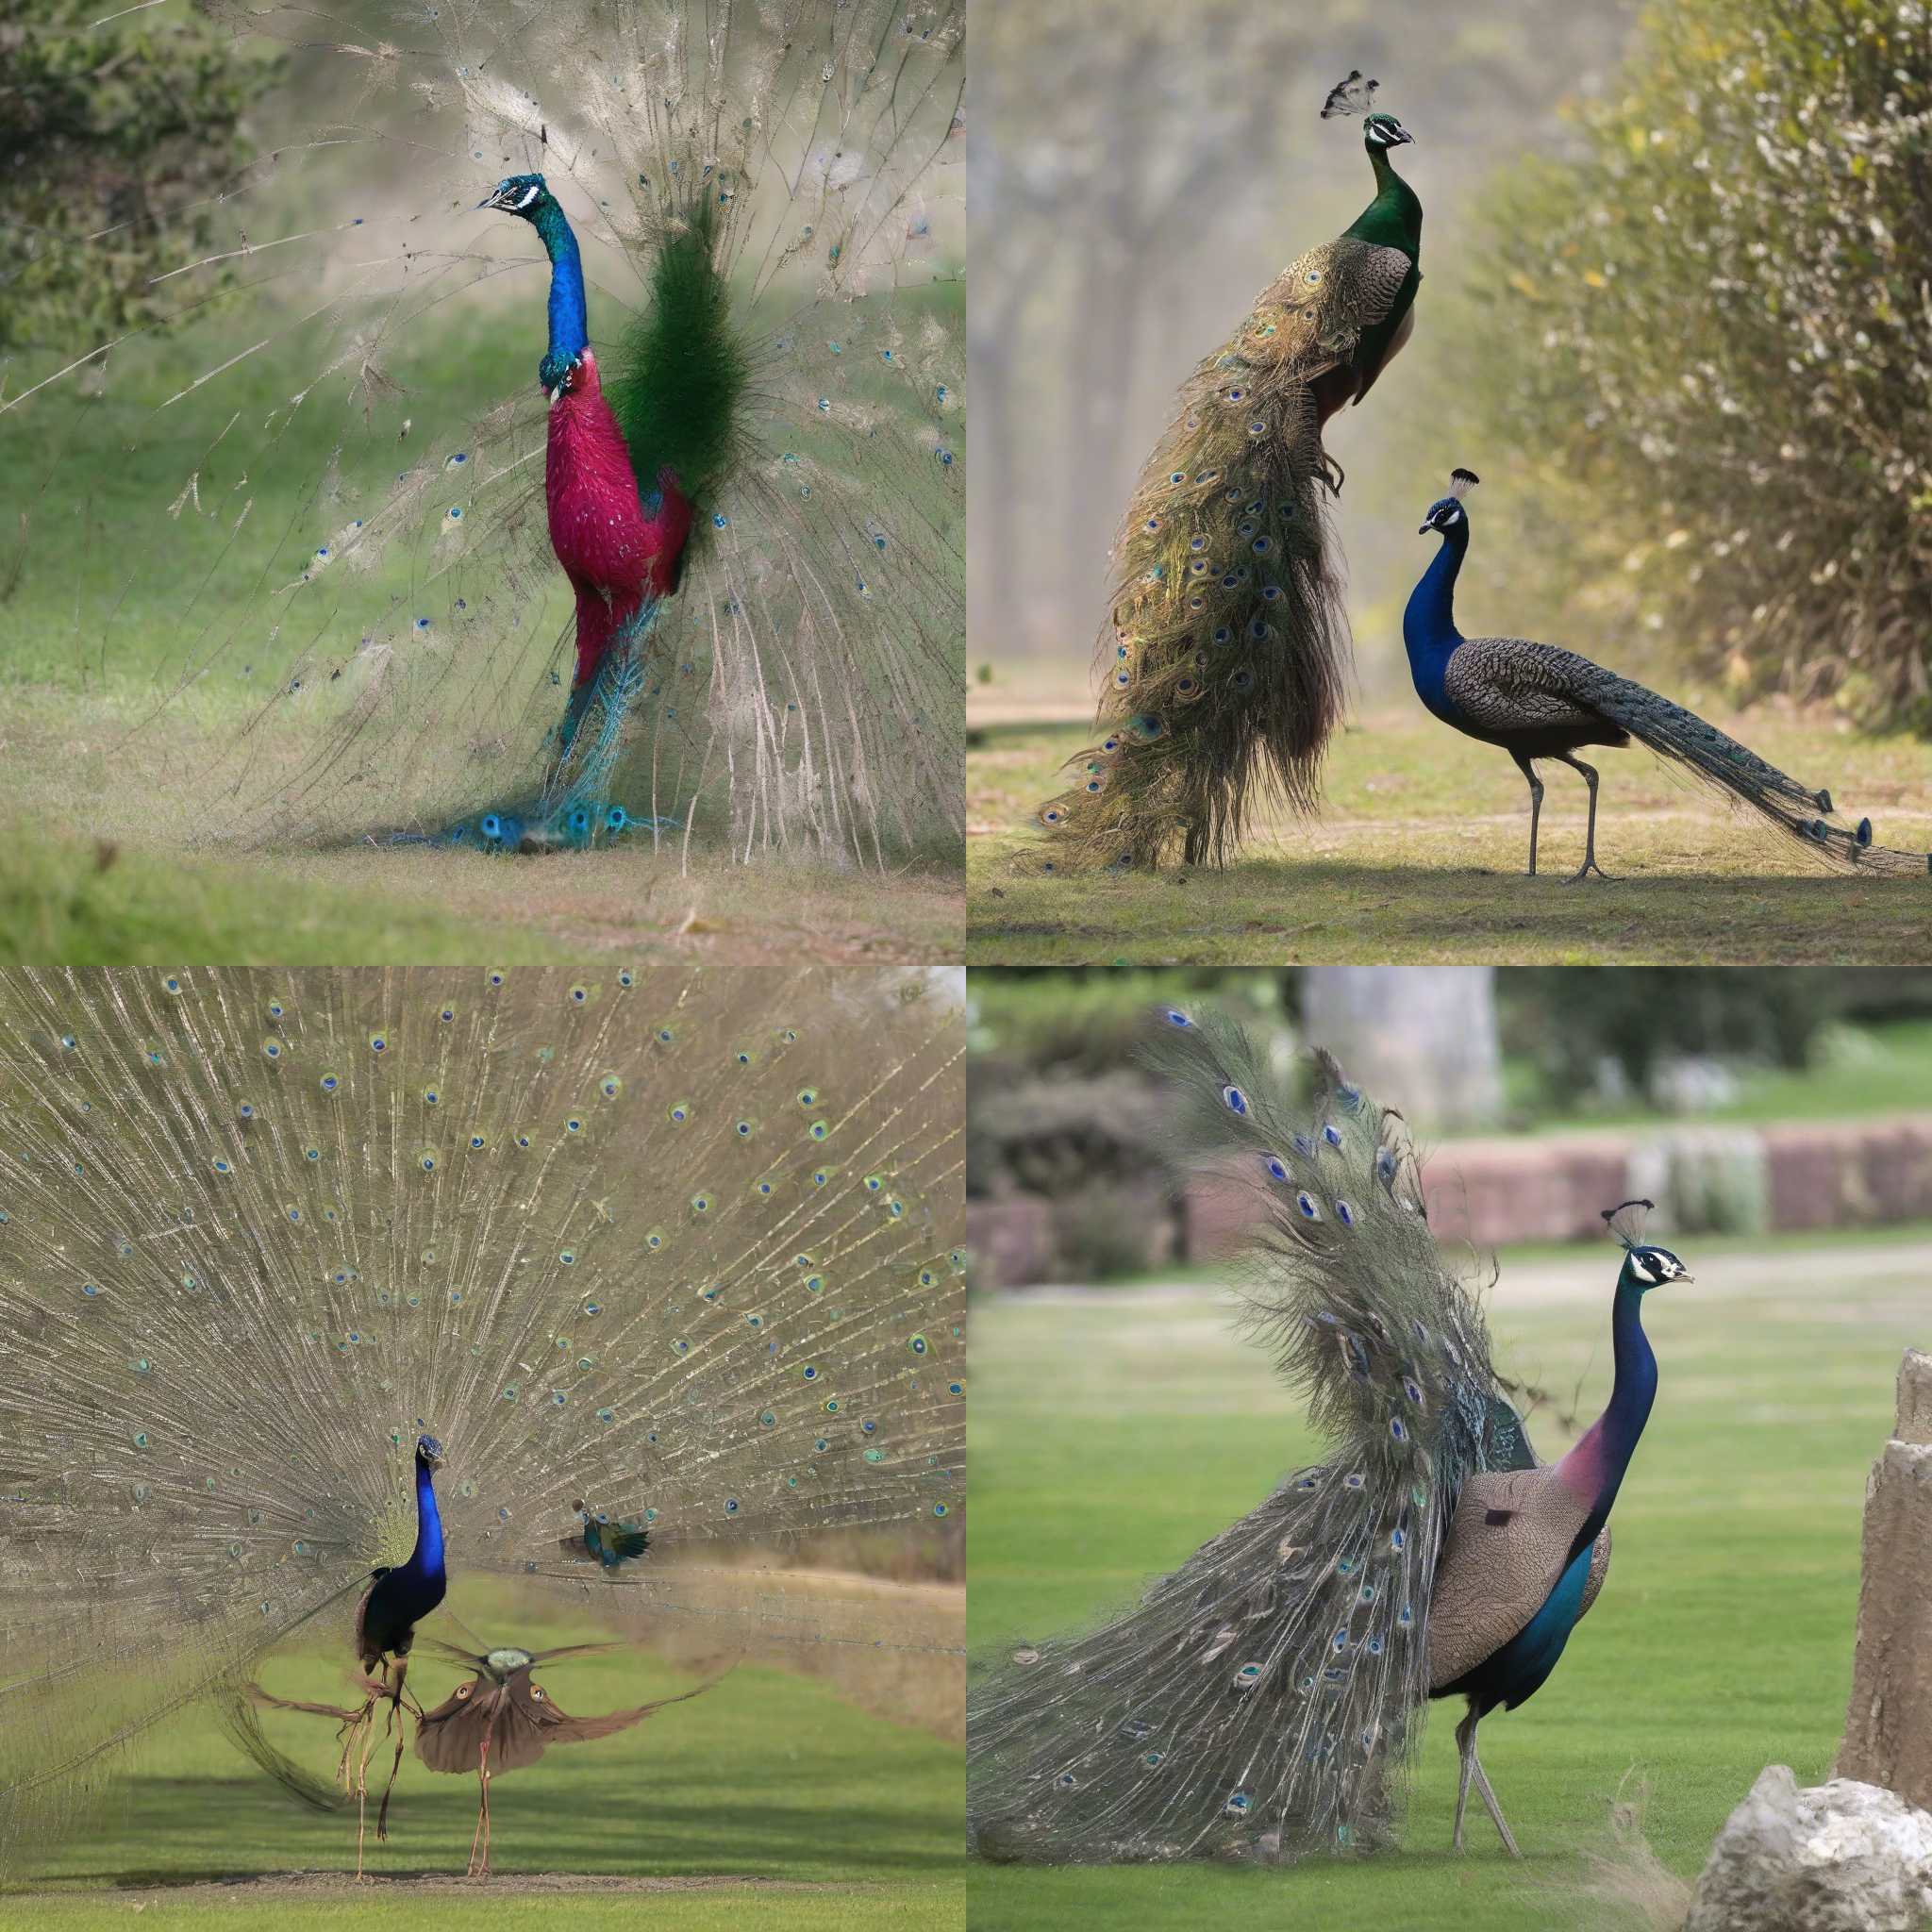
(1420, 855)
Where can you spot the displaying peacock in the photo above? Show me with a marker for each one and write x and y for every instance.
(1228, 649)
(1538, 701)
(321, 1292)
(1265, 1699)
(751, 473)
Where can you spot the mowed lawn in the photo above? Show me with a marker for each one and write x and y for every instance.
(770, 1795)
(1112, 1433)
(1420, 855)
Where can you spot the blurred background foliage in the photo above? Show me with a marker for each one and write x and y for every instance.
(1059, 1107)
(120, 140)
(1676, 312)
(1725, 302)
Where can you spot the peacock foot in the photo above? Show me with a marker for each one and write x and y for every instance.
(1584, 871)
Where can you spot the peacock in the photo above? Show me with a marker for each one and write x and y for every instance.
(322, 1292)
(1538, 701)
(1264, 1700)
(753, 478)
(1228, 649)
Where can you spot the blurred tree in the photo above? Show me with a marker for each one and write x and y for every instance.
(1422, 1039)
(119, 139)
(1571, 1018)
(1710, 337)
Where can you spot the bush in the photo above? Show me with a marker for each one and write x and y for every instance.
(1570, 1018)
(1710, 336)
(119, 142)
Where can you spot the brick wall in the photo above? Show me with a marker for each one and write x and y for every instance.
(1818, 1175)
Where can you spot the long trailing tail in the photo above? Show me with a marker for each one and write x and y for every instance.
(1262, 1701)
(1718, 761)
(1227, 661)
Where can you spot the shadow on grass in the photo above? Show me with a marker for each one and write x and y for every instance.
(1267, 911)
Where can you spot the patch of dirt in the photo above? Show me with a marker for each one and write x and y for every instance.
(255, 1890)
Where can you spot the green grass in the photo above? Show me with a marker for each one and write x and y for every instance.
(1419, 856)
(768, 1781)
(1111, 1436)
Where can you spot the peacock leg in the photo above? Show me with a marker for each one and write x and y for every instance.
(1536, 801)
(1590, 864)
(394, 1722)
(1471, 1768)
(481, 1836)
(1489, 1797)
(1465, 1744)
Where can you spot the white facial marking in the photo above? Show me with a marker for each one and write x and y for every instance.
(529, 195)
(1639, 1266)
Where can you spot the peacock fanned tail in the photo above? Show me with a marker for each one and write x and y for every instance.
(1227, 659)
(780, 322)
(672, 1269)
(1263, 1701)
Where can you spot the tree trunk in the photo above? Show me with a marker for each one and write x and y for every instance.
(1421, 1038)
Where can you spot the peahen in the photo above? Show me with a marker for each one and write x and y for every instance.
(333, 1288)
(499, 1721)
(1265, 1699)
(754, 476)
(1538, 701)
(1229, 644)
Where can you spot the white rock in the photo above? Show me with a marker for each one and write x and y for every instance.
(1838, 1858)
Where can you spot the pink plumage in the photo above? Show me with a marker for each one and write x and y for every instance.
(615, 554)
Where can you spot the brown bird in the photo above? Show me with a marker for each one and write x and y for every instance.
(502, 1719)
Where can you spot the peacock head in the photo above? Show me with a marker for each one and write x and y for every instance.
(1646, 1265)
(428, 1453)
(1384, 131)
(1447, 514)
(518, 195)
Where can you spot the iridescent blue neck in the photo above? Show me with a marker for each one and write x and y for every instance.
(1635, 1388)
(1429, 621)
(1604, 1454)
(569, 326)
(426, 1559)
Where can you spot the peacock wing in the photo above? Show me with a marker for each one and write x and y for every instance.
(1510, 684)
(1508, 1543)
(1312, 315)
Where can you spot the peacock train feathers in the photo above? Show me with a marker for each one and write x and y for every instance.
(610, 1284)
(1264, 1700)
(1228, 656)
(763, 218)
